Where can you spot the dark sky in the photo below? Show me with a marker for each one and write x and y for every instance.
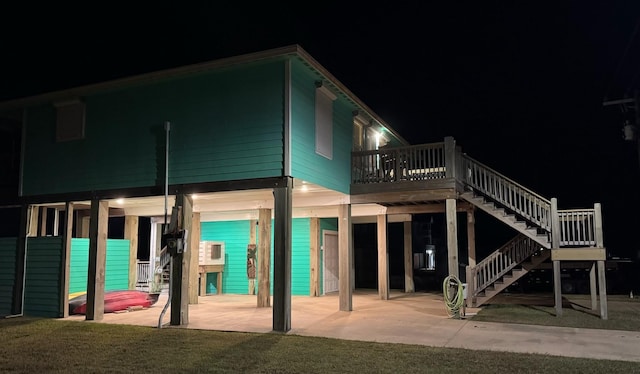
(520, 86)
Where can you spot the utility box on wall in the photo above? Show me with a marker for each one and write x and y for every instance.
(211, 253)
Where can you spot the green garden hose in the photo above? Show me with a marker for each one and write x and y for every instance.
(453, 302)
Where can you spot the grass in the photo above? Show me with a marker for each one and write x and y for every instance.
(623, 313)
(55, 346)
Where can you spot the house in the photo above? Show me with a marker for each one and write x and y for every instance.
(264, 152)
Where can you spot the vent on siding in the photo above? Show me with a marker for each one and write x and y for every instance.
(70, 117)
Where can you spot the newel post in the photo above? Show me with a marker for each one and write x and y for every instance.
(450, 157)
(555, 224)
(597, 221)
(555, 244)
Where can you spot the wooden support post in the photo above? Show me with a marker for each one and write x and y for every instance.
(452, 237)
(97, 259)
(264, 257)
(314, 260)
(131, 234)
(180, 267)
(56, 222)
(471, 237)
(282, 257)
(450, 157)
(194, 258)
(32, 225)
(557, 288)
(65, 260)
(43, 221)
(555, 224)
(85, 223)
(408, 258)
(252, 241)
(17, 306)
(592, 286)
(383, 258)
(345, 257)
(602, 288)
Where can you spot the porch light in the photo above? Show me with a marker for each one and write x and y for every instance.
(120, 201)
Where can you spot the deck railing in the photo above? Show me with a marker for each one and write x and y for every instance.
(500, 262)
(412, 163)
(143, 273)
(577, 227)
(507, 193)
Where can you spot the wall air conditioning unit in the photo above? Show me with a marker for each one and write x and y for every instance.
(211, 253)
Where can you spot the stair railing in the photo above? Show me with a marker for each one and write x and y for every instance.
(499, 263)
(508, 193)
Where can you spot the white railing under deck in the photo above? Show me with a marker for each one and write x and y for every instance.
(143, 273)
(577, 227)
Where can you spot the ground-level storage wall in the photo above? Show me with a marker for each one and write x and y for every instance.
(235, 235)
(43, 277)
(8, 249)
(116, 267)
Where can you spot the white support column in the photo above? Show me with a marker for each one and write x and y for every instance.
(557, 288)
(452, 237)
(555, 244)
(345, 256)
(408, 259)
(98, 228)
(383, 258)
(602, 288)
(593, 286)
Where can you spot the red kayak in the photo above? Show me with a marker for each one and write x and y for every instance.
(114, 301)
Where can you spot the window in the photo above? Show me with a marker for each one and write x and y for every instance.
(324, 122)
(70, 117)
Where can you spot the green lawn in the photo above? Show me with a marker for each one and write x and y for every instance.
(623, 312)
(50, 346)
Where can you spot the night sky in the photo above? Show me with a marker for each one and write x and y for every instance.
(519, 86)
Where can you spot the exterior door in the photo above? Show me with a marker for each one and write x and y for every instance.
(330, 260)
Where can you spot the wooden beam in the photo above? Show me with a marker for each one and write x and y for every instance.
(264, 257)
(314, 260)
(180, 267)
(380, 193)
(43, 221)
(408, 259)
(131, 234)
(194, 259)
(557, 288)
(65, 260)
(471, 237)
(383, 258)
(345, 257)
(592, 286)
(97, 259)
(461, 206)
(578, 254)
(282, 258)
(602, 288)
(452, 237)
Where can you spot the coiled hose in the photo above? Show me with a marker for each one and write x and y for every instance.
(453, 301)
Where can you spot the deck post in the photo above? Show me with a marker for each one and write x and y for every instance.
(408, 259)
(471, 237)
(345, 258)
(194, 258)
(264, 258)
(252, 242)
(131, 234)
(593, 286)
(452, 237)
(450, 157)
(383, 258)
(26, 223)
(43, 220)
(314, 261)
(32, 225)
(282, 257)
(597, 220)
(66, 259)
(98, 227)
(555, 243)
(602, 288)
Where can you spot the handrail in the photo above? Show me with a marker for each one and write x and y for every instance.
(500, 262)
(507, 192)
(577, 227)
(410, 163)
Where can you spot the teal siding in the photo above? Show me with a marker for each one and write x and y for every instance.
(42, 283)
(8, 249)
(235, 235)
(117, 265)
(334, 174)
(225, 125)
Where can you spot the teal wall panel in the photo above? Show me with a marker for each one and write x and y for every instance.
(334, 174)
(117, 265)
(235, 235)
(225, 125)
(8, 249)
(43, 278)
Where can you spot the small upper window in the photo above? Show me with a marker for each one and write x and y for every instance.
(70, 116)
(324, 122)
